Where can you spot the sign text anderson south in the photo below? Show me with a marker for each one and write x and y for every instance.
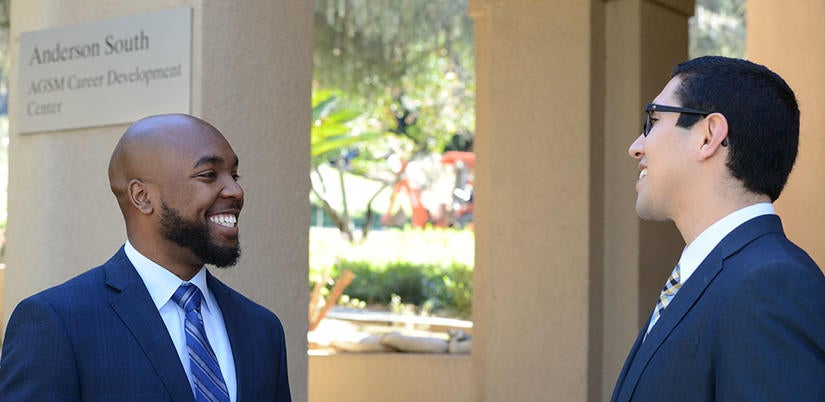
(110, 45)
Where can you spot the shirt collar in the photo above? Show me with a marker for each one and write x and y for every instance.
(696, 251)
(161, 282)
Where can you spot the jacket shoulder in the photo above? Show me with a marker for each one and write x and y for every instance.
(233, 300)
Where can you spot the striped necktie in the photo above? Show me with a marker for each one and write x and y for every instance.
(665, 296)
(206, 374)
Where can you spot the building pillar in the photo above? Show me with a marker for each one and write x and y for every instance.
(565, 271)
(789, 38)
(539, 117)
(251, 78)
(645, 39)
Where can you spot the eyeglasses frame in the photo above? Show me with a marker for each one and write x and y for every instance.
(653, 107)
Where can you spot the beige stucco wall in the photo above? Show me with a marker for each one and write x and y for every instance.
(565, 272)
(533, 262)
(789, 37)
(644, 40)
(392, 377)
(251, 77)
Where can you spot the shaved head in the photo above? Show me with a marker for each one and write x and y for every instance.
(139, 152)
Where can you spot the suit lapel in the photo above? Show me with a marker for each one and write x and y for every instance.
(234, 320)
(688, 295)
(628, 362)
(135, 307)
(681, 304)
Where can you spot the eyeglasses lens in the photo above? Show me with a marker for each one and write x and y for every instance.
(646, 126)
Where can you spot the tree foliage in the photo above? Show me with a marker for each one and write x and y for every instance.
(393, 80)
(4, 57)
(406, 64)
(718, 28)
(334, 132)
(4, 32)
(367, 46)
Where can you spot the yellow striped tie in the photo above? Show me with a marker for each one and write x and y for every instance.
(666, 295)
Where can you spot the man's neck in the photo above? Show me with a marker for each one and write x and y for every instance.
(175, 263)
(696, 220)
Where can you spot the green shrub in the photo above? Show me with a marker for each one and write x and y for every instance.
(452, 290)
(447, 289)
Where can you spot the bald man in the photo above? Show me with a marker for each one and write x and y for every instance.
(152, 324)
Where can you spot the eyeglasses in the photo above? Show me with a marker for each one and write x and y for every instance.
(652, 107)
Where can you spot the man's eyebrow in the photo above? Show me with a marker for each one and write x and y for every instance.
(212, 160)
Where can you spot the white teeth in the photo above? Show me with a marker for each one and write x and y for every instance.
(227, 220)
(643, 173)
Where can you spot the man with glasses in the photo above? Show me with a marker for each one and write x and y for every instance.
(742, 316)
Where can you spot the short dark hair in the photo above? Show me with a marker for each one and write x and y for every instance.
(762, 115)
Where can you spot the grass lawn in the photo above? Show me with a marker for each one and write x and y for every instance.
(420, 246)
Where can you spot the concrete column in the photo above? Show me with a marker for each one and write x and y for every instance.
(644, 40)
(565, 272)
(251, 77)
(536, 317)
(789, 38)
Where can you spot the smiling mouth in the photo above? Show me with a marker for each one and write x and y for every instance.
(643, 173)
(225, 220)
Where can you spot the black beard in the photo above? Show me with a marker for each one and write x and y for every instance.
(195, 237)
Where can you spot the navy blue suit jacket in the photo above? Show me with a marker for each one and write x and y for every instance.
(749, 325)
(99, 337)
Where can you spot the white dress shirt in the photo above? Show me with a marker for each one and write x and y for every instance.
(702, 245)
(161, 284)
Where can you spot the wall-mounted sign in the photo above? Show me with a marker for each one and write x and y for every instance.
(107, 72)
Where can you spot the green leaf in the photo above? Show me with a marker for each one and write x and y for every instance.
(328, 144)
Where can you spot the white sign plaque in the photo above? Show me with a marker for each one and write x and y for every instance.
(107, 72)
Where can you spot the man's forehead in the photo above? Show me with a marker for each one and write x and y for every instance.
(192, 143)
(668, 94)
(182, 151)
(230, 160)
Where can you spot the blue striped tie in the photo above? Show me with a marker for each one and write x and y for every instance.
(206, 374)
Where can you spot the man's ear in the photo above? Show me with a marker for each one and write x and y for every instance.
(139, 196)
(715, 136)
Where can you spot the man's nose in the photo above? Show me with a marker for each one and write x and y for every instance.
(637, 150)
(232, 189)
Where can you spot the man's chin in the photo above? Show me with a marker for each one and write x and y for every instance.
(221, 256)
(648, 215)
(222, 265)
(644, 211)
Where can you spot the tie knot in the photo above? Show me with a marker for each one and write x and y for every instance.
(676, 275)
(188, 297)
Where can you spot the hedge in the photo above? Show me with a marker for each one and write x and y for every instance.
(447, 289)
